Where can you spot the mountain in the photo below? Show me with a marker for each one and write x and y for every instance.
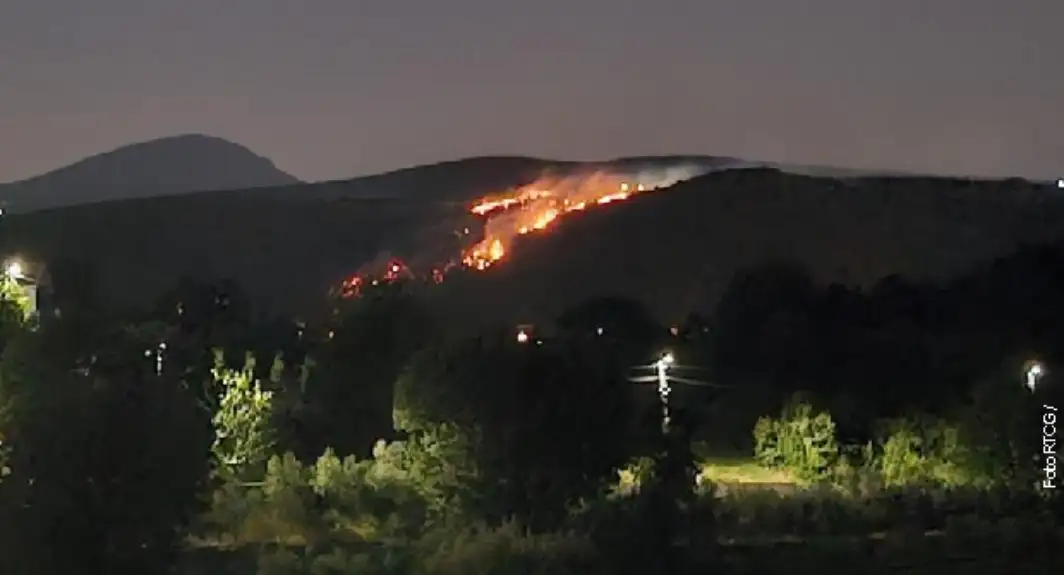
(674, 249)
(287, 243)
(677, 249)
(166, 166)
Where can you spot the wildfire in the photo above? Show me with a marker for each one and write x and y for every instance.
(521, 196)
(484, 254)
(536, 207)
(394, 270)
(521, 211)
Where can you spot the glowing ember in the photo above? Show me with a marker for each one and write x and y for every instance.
(536, 207)
(529, 209)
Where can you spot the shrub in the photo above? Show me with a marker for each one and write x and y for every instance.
(802, 441)
(922, 451)
(632, 477)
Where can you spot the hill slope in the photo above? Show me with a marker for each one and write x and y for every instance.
(173, 165)
(675, 249)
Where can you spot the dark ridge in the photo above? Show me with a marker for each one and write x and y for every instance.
(173, 165)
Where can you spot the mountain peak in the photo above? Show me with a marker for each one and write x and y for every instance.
(164, 166)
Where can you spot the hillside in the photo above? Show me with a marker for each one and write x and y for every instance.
(287, 244)
(675, 249)
(165, 166)
(286, 252)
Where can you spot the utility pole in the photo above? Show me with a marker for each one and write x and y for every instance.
(159, 351)
(674, 462)
(664, 390)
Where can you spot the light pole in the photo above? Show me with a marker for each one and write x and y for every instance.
(675, 466)
(1034, 372)
(664, 377)
(159, 351)
(158, 354)
(662, 366)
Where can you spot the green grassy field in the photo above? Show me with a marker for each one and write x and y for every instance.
(739, 470)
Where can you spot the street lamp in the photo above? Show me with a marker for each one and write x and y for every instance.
(158, 356)
(662, 365)
(14, 270)
(159, 351)
(664, 379)
(1035, 371)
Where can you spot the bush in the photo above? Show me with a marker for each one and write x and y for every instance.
(632, 477)
(406, 487)
(761, 513)
(922, 451)
(802, 441)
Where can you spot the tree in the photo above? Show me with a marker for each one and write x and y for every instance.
(243, 424)
(438, 463)
(350, 397)
(996, 427)
(760, 327)
(613, 318)
(105, 472)
(549, 426)
(14, 309)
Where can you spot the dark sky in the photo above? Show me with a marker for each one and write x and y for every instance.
(334, 88)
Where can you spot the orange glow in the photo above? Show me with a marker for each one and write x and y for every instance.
(537, 207)
(520, 211)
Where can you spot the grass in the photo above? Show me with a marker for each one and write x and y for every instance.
(741, 470)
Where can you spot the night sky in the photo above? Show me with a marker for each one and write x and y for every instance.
(337, 88)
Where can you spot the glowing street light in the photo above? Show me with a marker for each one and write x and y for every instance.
(664, 390)
(1035, 371)
(664, 379)
(14, 270)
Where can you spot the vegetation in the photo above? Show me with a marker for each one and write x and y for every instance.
(882, 430)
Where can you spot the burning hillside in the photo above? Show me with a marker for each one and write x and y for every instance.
(525, 210)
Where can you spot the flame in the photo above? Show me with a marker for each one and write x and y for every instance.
(538, 206)
(530, 209)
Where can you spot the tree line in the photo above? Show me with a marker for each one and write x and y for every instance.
(130, 438)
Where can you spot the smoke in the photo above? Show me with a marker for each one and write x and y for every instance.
(655, 178)
(528, 209)
(537, 205)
